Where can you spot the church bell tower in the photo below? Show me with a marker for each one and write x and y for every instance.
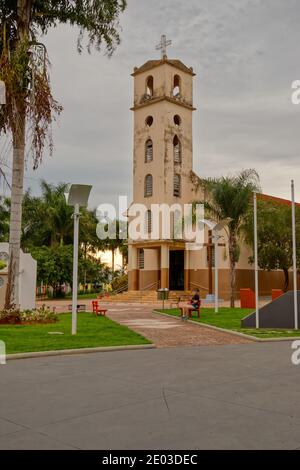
(162, 159)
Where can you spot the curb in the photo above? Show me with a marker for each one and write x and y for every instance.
(73, 352)
(236, 333)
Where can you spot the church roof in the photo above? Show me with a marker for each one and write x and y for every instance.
(150, 64)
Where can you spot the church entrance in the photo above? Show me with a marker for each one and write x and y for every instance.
(176, 270)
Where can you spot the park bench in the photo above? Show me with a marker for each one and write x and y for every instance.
(80, 308)
(196, 309)
(97, 310)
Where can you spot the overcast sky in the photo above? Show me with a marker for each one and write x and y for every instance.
(245, 54)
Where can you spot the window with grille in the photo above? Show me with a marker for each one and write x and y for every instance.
(148, 222)
(177, 185)
(148, 186)
(141, 259)
(149, 151)
(177, 150)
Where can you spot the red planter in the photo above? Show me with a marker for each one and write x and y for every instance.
(247, 297)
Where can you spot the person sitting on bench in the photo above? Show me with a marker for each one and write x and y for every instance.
(193, 304)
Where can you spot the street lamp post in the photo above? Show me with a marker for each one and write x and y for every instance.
(256, 261)
(77, 196)
(216, 228)
(294, 257)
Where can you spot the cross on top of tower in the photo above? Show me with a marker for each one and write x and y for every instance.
(162, 46)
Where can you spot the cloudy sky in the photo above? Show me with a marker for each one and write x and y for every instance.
(245, 54)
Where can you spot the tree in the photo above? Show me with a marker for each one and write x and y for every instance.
(54, 267)
(229, 197)
(4, 218)
(274, 237)
(114, 241)
(24, 68)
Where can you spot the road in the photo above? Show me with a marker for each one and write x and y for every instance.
(235, 396)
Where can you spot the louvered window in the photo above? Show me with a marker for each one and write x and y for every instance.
(177, 150)
(141, 259)
(177, 185)
(149, 151)
(148, 186)
(148, 222)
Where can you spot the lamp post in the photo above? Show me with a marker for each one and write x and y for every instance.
(216, 228)
(256, 261)
(77, 197)
(294, 256)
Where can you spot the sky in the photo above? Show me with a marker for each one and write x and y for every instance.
(246, 56)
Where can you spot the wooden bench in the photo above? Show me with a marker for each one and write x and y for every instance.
(183, 298)
(80, 308)
(97, 310)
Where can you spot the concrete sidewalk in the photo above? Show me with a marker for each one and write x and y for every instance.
(216, 397)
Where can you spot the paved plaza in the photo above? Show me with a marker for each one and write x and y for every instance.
(236, 396)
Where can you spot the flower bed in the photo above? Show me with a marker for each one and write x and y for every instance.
(27, 317)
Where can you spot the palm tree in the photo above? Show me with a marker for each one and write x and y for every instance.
(229, 197)
(24, 68)
(4, 218)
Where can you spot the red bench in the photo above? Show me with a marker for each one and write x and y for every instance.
(97, 310)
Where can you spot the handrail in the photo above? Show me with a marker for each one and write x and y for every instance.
(121, 289)
(150, 286)
(199, 286)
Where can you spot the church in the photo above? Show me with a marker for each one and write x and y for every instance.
(163, 174)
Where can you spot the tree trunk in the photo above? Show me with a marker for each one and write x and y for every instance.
(18, 132)
(113, 260)
(12, 290)
(232, 258)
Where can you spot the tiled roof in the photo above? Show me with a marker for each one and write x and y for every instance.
(155, 63)
(277, 200)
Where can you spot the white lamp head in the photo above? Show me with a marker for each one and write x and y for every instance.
(78, 194)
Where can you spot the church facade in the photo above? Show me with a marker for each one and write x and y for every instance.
(163, 174)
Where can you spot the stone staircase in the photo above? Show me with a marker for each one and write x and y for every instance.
(146, 297)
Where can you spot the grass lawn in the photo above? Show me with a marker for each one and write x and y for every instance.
(230, 319)
(92, 332)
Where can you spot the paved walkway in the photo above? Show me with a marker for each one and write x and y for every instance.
(167, 331)
(161, 330)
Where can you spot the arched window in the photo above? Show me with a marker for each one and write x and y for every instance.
(149, 121)
(148, 186)
(177, 150)
(177, 185)
(177, 120)
(149, 151)
(148, 222)
(149, 86)
(176, 86)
